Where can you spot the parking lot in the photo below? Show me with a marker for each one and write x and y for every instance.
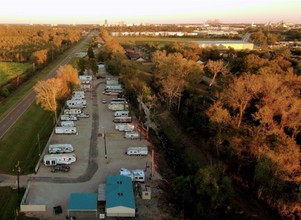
(91, 167)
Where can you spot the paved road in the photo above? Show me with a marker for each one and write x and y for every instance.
(10, 119)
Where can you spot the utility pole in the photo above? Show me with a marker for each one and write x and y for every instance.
(18, 169)
(105, 144)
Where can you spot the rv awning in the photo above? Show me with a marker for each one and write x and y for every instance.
(82, 202)
(102, 192)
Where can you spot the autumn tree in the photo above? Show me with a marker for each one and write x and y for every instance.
(69, 77)
(47, 93)
(39, 57)
(216, 67)
(171, 73)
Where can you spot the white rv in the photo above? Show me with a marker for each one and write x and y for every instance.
(79, 93)
(112, 92)
(121, 113)
(68, 118)
(124, 127)
(65, 130)
(131, 135)
(67, 124)
(117, 107)
(122, 119)
(55, 159)
(135, 175)
(76, 103)
(72, 111)
(60, 148)
(137, 151)
(118, 100)
(114, 87)
(85, 77)
(112, 82)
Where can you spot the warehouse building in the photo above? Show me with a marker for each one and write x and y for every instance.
(222, 45)
(120, 201)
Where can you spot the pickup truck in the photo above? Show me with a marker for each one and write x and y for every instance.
(60, 168)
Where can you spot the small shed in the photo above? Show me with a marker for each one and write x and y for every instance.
(120, 201)
(80, 202)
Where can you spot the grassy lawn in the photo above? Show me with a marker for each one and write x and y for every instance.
(8, 201)
(23, 140)
(10, 70)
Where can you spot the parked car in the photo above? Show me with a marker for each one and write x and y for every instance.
(60, 168)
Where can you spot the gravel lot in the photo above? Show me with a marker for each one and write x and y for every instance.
(91, 167)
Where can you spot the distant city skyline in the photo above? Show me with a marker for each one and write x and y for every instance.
(154, 12)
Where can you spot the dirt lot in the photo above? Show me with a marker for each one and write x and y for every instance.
(91, 167)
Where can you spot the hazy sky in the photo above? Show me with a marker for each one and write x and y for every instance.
(148, 11)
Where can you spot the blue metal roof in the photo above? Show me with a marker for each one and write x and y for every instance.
(119, 192)
(83, 202)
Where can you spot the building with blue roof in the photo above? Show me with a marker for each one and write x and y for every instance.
(120, 201)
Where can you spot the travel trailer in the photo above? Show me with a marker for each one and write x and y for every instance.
(122, 119)
(135, 175)
(68, 118)
(76, 103)
(131, 135)
(124, 127)
(121, 113)
(114, 87)
(72, 111)
(60, 148)
(137, 151)
(65, 130)
(118, 107)
(67, 124)
(55, 159)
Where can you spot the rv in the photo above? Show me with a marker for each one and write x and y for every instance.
(55, 159)
(135, 175)
(60, 148)
(124, 127)
(67, 124)
(73, 111)
(85, 77)
(68, 118)
(112, 92)
(78, 93)
(122, 119)
(113, 87)
(121, 113)
(131, 135)
(118, 100)
(65, 130)
(112, 82)
(118, 106)
(76, 103)
(137, 151)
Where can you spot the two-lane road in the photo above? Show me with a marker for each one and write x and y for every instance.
(9, 120)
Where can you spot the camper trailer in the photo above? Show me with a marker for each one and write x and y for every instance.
(135, 175)
(118, 107)
(137, 151)
(72, 111)
(55, 159)
(121, 113)
(122, 119)
(76, 103)
(112, 91)
(113, 87)
(131, 135)
(79, 93)
(124, 127)
(118, 100)
(60, 148)
(65, 130)
(112, 82)
(67, 124)
(68, 118)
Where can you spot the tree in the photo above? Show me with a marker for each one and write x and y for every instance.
(69, 77)
(90, 53)
(216, 67)
(47, 93)
(39, 57)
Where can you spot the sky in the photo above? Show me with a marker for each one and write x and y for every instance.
(148, 11)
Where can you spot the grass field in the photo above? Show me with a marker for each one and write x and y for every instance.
(25, 140)
(10, 70)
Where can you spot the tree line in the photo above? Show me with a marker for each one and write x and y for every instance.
(248, 112)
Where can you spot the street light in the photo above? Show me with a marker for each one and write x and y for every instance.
(18, 169)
